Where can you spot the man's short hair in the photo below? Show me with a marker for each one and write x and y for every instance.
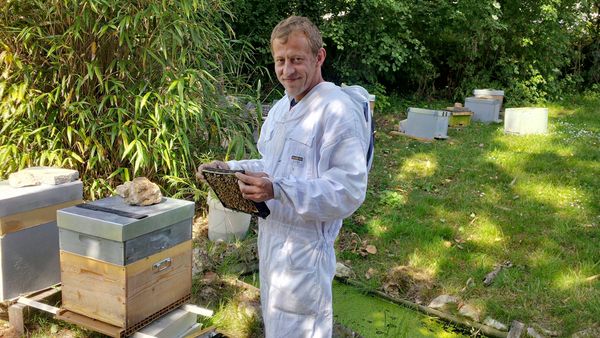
(298, 24)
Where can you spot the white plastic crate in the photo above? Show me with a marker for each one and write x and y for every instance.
(426, 123)
(526, 120)
(484, 110)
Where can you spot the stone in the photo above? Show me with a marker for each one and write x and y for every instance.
(591, 332)
(442, 300)
(532, 333)
(469, 311)
(342, 271)
(495, 324)
(545, 332)
(516, 329)
(140, 191)
(22, 179)
(53, 175)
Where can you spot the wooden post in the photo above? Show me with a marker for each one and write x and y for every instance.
(16, 317)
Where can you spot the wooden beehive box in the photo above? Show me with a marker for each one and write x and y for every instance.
(459, 117)
(29, 236)
(123, 270)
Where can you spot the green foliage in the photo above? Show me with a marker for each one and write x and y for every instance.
(370, 40)
(118, 89)
(534, 50)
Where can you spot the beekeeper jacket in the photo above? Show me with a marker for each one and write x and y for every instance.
(315, 155)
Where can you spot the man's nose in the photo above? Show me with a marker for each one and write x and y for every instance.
(288, 68)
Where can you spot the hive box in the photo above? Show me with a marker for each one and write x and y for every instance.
(459, 117)
(122, 270)
(29, 236)
(490, 94)
(484, 110)
(426, 123)
(524, 121)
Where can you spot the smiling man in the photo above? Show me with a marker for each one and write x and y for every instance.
(312, 174)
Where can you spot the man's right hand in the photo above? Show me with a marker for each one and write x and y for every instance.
(213, 164)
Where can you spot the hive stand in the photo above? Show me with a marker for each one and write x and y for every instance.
(180, 322)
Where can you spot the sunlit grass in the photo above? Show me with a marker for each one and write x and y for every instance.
(418, 166)
(458, 208)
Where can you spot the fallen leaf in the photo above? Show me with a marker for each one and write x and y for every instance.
(371, 249)
(369, 273)
(210, 277)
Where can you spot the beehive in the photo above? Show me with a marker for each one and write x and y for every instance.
(123, 264)
(29, 235)
(526, 120)
(426, 123)
(484, 110)
(490, 94)
(459, 117)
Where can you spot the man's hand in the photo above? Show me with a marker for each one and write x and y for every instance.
(213, 164)
(255, 186)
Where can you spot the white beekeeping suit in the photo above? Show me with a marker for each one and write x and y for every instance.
(315, 155)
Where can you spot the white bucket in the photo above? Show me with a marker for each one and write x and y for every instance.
(225, 224)
(372, 102)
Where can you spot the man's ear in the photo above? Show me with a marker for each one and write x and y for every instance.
(321, 54)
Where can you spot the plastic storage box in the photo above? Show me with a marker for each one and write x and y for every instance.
(484, 110)
(426, 123)
(490, 94)
(524, 121)
(124, 264)
(29, 236)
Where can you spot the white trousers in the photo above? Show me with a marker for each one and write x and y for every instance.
(297, 266)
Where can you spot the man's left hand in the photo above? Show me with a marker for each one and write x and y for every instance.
(255, 186)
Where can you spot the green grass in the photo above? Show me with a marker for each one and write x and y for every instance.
(373, 317)
(533, 200)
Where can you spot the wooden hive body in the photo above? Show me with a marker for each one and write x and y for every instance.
(126, 295)
(121, 270)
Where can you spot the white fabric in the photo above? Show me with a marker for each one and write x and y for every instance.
(314, 154)
(362, 97)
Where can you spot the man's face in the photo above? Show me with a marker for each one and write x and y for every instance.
(297, 69)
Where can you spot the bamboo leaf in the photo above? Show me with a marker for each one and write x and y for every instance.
(128, 149)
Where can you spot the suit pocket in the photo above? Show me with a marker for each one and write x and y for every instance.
(299, 156)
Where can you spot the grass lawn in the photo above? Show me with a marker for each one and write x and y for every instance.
(445, 213)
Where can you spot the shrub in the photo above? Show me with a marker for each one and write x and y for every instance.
(118, 89)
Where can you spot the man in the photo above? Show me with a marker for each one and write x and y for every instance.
(312, 174)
